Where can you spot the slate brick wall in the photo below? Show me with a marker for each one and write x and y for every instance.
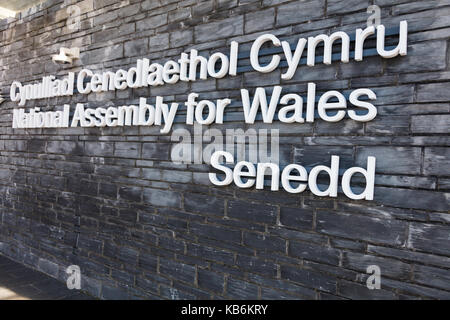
(111, 201)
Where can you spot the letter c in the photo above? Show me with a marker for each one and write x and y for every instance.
(80, 79)
(254, 53)
(13, 91)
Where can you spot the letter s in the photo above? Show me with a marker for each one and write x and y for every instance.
(371, 109)
(215, 164)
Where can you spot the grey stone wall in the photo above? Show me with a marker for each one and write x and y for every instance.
(111, 201)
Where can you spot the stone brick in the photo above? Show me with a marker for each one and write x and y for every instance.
(221, 29)
(159, 42)
(215, 232)
(256, 79)
(437, 161)
(417, 199)
(389, 125)
(91, 286)
(114, 293)
(137, 47)
(308, 156)
(175, 294)
(434, 52)
(53, 182)
(177, 270)
(241, 290)
(444, 184)
(416, 290)
(296, 218)
(151, 4)
(127, 149)
(157, 151)
(65, 147)
(430, 123)
(314, 252)
(263, 242)
(299, 11)
(106, 35)
(407, 255)
(172, 244)
(347, 127)
(130, 193)
(259, 20)
(102, 54)
(210, 253)
(309, 278)
(163, 198)
(256, 265)
(376, 230)
(372, 67)
(99, 149)
(431, 276)
(211, 281)
(176, 176)
(148, 262)
(181, 38)
(406, 181)
(207, 205)
(226, 4)
(429, 238)
(179, 14)
(202, 9)
(252, 212)
(152, 174)
(398, 160)
(152, 22)
(103, 3)
(394, 95)
(48, 267)
(271, 294)
(147, 285)
(416, 6)
(433, 92)
(337, 6)
(36, 145)
(5, 174)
